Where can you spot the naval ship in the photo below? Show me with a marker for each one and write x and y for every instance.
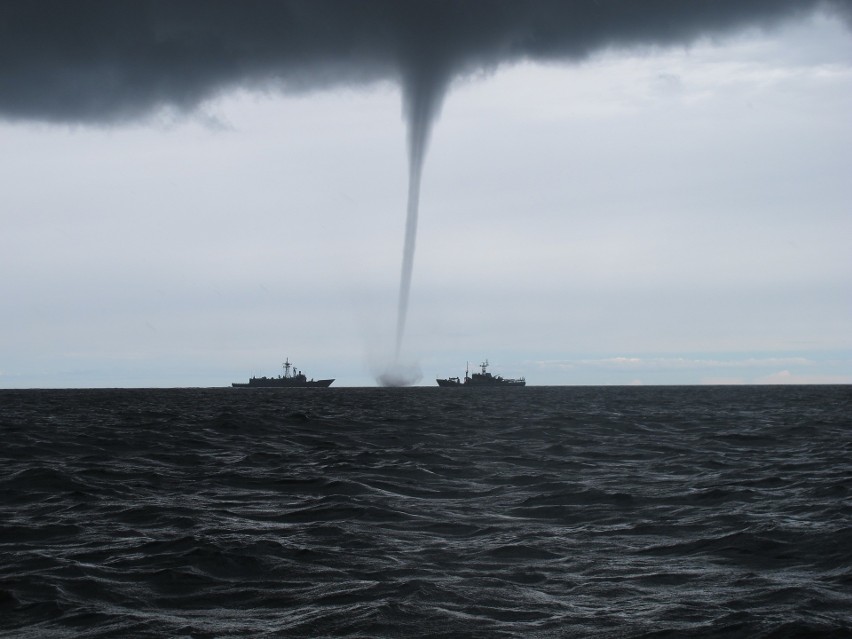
(296, 379)
(483, 379)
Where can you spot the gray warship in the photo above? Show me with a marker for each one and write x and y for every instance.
(480, 380)
(296, 379)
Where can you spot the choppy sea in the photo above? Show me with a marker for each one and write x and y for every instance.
(427, 512)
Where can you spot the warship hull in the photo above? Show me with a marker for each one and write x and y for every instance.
(295, 379)
(282, 382)
(480, 380)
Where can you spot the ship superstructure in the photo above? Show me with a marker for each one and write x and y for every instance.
(294, 379)
(481, 379)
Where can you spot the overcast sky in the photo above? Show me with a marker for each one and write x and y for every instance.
(648, 209)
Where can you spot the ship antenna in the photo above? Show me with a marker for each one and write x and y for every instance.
(287, 367)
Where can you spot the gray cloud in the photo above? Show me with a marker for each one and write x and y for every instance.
(102, 61)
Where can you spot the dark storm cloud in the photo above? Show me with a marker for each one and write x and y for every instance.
(90, 61)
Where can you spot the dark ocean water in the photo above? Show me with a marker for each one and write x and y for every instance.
(426, 512)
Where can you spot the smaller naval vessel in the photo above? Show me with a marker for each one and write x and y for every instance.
(296, 379)
(480, 380)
